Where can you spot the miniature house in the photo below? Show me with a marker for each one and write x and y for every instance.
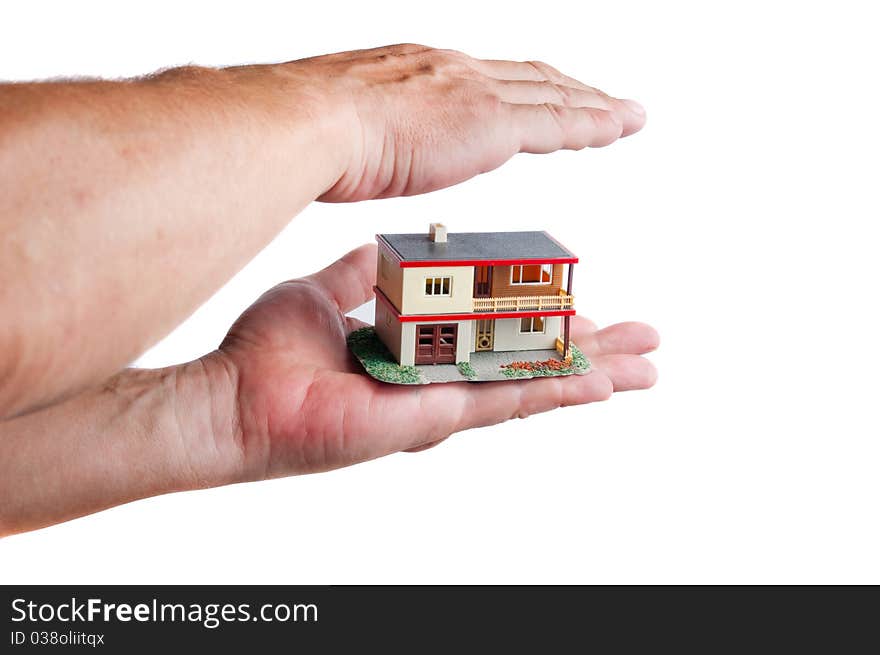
(441, 297)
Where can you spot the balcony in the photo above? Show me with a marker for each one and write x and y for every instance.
(524, 303)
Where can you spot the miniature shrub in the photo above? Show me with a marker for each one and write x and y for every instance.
(578, 359)
(466, 370)
(377, 360)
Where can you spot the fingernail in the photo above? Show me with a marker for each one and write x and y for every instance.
(635, 107)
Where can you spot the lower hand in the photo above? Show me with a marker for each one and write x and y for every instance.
(305, 405)
(281, 396)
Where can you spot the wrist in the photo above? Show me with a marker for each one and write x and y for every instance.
(283, 108)
(140, 434)
(312, 113)
(202, 425)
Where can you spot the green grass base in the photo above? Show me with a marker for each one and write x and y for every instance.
(467, 370)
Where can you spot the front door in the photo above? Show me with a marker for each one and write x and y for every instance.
(482, 281)
(435, 344)
(485, 334)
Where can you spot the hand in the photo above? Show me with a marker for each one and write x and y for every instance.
(305, 404)
(419, 119)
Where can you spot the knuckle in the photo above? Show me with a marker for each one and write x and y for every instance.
(563, 94)
(547, 71)
(404, 48)
(557, 112)
(490, 103)
(452, 54)
(444, 61)
(540, 67)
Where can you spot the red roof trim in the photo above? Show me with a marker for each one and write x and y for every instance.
(486, 262)
(416, 318)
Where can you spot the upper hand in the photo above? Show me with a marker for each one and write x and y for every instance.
(416, 119)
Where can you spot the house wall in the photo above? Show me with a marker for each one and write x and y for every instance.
(405, 287)
(388, 328)
(507, 336)
(414, 300)
(502, 288)
(463, 345)
(389, 278)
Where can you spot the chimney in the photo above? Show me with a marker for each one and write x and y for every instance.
(437, 232)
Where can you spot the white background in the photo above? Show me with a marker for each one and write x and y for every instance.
(741, 223)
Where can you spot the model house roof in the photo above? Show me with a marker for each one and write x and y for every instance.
(476, 248)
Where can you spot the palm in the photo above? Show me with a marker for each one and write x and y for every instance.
(305, 405)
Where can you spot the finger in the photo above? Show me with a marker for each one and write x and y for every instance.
(627, 372)
(352, 324)
(535, 71)
(491, 403)
(426, 446)
(349, 281)
(527, 92)
(541, 92)
(400, 417)
(623, 338)
(545, 128)
(503, 69)
(444, 409)
(582, 328)
(631, 112)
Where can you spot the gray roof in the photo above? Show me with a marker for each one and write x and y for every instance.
(477, 246)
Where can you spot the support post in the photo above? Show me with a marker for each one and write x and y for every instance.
(566, 338)
(566, 322)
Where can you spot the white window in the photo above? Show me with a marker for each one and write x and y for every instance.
(532, 325)
(531, 274)
(438, 286)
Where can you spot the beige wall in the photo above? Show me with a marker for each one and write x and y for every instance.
(389, 278)
(416, 302)
(408, 344)
(465, 339)
(405, 287)
(388, 328)
(507, 336)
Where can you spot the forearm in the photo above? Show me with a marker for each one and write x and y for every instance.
(124, 205)
(141, 434)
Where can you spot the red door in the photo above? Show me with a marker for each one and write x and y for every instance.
(435, 344)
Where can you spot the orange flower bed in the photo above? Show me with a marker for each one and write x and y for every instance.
(547, 364)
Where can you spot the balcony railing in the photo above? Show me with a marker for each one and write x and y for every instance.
(524, 303)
